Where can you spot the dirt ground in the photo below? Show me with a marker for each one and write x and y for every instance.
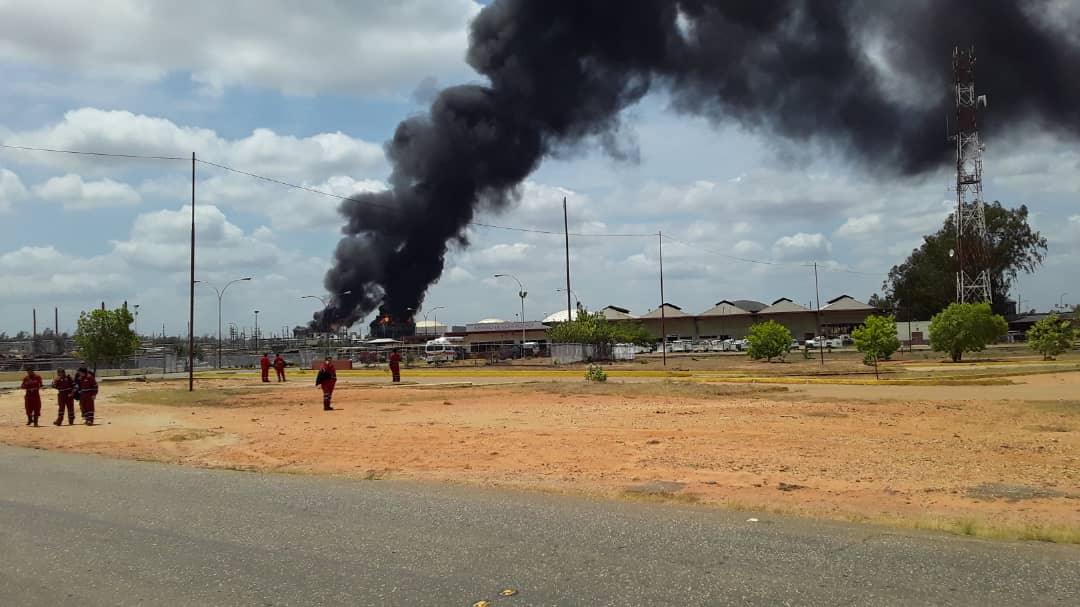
(1002, 456)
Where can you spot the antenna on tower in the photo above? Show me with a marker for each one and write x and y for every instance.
(972, 263)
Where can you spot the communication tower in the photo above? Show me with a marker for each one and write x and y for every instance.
(971, 255)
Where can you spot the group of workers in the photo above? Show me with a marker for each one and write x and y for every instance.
(326, 379)
(278, 364)
(82, 387)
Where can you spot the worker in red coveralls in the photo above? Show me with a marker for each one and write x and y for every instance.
(326, 379)
(395, 365)
(264, 364)
(88, 390)
(32, 383)
(279, 366)
(64, 385)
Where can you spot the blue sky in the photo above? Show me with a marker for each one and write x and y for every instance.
(309, 96)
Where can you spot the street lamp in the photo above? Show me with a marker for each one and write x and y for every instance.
(577, 299)
(136, 306)
(435, 318)
(326, 305)
(521, 293)
(1061, 301)
(220, 294)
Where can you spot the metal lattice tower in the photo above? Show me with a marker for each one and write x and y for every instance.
(972, 273)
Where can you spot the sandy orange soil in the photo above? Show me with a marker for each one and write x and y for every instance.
(876, 451)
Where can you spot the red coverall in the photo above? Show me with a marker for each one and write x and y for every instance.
(279, 366)
(264, 364)
(88, 389)
(32, 400)
(327, 384)
(395, 366)
(65, 398)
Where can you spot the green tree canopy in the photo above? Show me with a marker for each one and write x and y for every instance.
(769, 340)
(1051, 336)
(926, 282)
(105, 336)
(876, 339)
(597, 330)
(963, 328)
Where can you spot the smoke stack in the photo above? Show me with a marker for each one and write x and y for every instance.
(866, 81)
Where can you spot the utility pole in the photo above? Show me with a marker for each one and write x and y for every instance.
(663, 315)
(33, 337)
(566, 232)
(821, 338)
(191, 286)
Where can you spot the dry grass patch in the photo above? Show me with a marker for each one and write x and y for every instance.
(704, 391)
(204, 397)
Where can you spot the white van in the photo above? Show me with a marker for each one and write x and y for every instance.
(443, 350)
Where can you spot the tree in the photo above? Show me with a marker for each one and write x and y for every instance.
(769, 340)
(881, 302)
(925, 283)
(963, 328)
(876, 339)
(105, 336)
(595, 329)
(1051, 336)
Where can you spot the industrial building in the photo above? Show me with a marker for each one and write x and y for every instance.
(726, 319)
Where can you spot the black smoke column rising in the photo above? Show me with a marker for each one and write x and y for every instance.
(868, 80)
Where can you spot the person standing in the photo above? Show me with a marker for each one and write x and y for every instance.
(32, 399)
(65, 397)
(395, 365)
(264, 364)
(88, 390)
(279, 367)
(326, 379)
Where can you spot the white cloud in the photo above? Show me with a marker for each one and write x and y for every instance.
(74, 193)
(160, 241)
(286, 208)
(317, 157)
(748, 248)
(367, 47)
(860, 227)
(12, 189)
(802, 247)
(43, 271)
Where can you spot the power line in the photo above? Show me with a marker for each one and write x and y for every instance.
(85, 153)
(319, 192)
(287, 184)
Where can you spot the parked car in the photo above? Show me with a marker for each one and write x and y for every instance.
(824, 342)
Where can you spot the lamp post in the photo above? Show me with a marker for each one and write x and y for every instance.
(435, 317)
(576, 298)
(220, 294)
(1061, 301)
(136, 306)
(521, 293)
(326, 305)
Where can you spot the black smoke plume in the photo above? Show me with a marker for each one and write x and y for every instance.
(870, 81)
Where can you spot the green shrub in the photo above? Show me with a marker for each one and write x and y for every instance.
(876, 339)
(1051, 336)
(968, 327)
(595, 373)
(769, 340)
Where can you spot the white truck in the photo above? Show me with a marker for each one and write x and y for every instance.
(443, 350)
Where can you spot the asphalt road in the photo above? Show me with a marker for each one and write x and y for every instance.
(81, 530)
